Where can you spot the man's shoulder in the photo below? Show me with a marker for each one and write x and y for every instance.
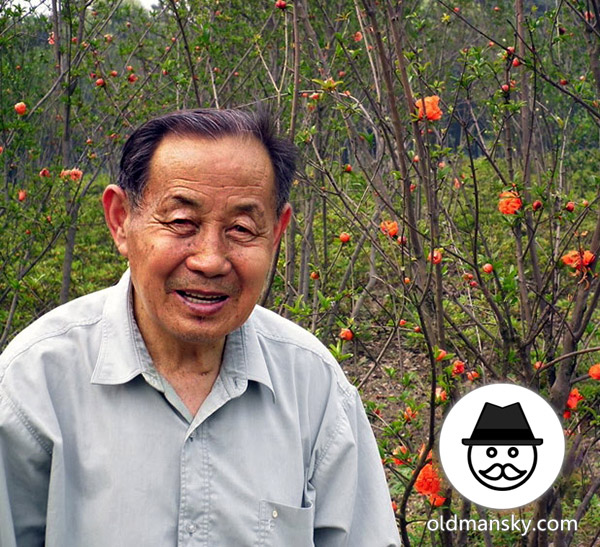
(55, 327)
(298, 352)
(272, 326)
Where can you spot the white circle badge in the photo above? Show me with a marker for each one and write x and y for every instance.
(502, 446)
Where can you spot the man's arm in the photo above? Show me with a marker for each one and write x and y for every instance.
(351, 496)
(24, 475)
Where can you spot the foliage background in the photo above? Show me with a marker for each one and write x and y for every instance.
(519, 86)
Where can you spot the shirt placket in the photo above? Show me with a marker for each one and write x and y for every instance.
(196, 487)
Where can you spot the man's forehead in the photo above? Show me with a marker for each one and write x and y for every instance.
(216, 157)
(194, 171)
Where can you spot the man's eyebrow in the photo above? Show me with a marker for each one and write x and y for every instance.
(249, 208)
(185, 201)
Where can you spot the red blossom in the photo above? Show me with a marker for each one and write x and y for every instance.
(579, 260)
(389, 228)
(440, 395)
(436, 257)
(346, 334)
(428, 107)
(458, 368)
(509, 203)
(409, 414)
(594, 371)
(574, 398)
(436, 500)
(472, 375)
(428, 482)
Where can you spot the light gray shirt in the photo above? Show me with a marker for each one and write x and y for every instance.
(96, 449)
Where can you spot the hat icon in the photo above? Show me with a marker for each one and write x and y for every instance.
(502, 425)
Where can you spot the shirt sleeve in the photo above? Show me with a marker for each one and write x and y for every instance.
(24, 475)
(348, 485)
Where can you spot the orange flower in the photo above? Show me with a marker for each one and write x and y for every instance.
(73, 174)
(428, 482)
(400, 450)
(428, 108)
(594, 371)
(441, 354)
(358, 36)
(472, 375)
(579, 259)
(389, 227)
(409, 414)
(422, 451)
(436, 500)
(76, 174)
(436, 257)
(509, 203)
(458, 368)
(346, 334)
(574, 398)
(440, 395)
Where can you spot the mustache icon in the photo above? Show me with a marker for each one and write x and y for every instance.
(507, 471)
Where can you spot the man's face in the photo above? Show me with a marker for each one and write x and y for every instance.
(200, 244)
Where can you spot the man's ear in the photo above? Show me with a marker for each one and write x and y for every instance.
(117, 211)
(282, 223)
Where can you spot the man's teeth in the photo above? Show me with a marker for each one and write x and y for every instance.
(203, 299)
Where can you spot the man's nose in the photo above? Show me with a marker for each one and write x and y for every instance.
(209, 253)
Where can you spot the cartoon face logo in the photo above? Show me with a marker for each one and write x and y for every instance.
(502, 451)
(502, 467)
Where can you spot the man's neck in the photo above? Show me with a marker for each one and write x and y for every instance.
(192, 374)
(191, 368)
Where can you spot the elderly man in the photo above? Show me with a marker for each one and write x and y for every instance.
(170, 409)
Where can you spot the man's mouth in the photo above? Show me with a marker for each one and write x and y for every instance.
(198, 298)
(507, 471)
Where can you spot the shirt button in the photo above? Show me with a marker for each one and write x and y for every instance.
(275, 513)
(191, 528)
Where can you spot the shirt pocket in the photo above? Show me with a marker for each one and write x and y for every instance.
(281, 525)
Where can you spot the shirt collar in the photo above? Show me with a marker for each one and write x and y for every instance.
(123, 354)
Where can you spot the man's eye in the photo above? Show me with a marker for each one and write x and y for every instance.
(181, 224)
(241, 232)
